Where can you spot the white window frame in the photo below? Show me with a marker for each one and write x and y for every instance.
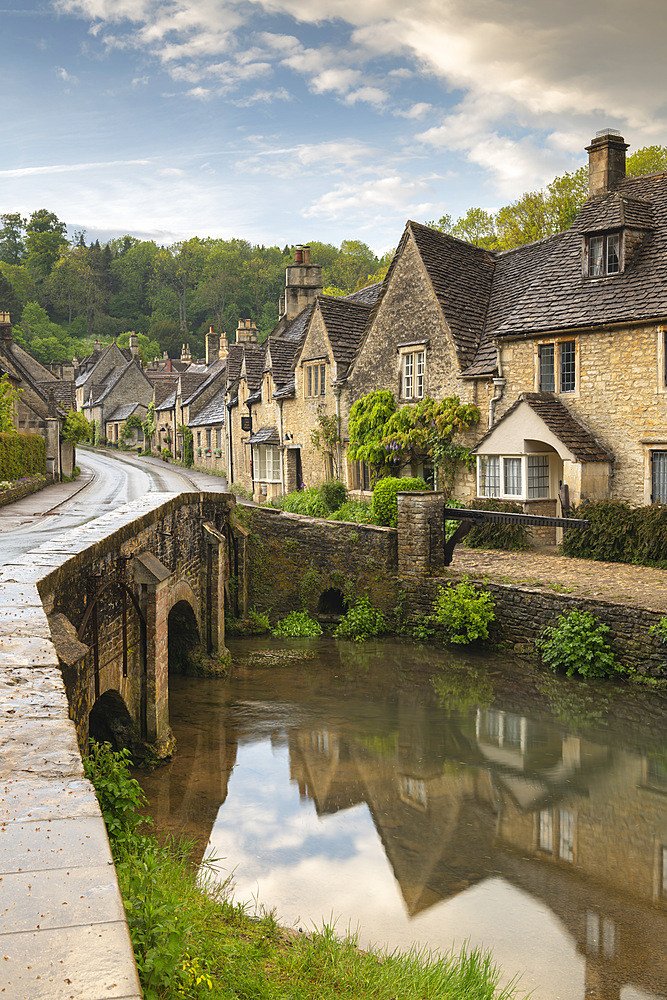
(502, 469)
(413, 374)
(266, 459)
(314, 379)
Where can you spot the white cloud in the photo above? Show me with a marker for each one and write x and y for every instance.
(68, 168)
(396, 195)
(65, 76)
(199, 93)
(368, 95)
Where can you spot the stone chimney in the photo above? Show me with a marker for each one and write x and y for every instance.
(246, 332)
(97, 347)
(5, 326)
(303, 283)
(223, 350)
(606, 161)
(212, 346)
(134, 345)
(185, 353)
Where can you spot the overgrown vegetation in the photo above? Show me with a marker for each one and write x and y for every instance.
(21, 455)
(191, 940)
(254, 623)
(361, 622)
(463, 612)
(577, 644)
(296, 625)
(498, 536)
(619, 533)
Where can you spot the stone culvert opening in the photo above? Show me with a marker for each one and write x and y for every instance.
(332, 602)
(110, 722)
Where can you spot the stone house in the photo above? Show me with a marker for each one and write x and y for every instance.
(43, 403)
(123, 385)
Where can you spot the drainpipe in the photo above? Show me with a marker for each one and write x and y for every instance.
(337, 391)
(282, 453)
(499, 388)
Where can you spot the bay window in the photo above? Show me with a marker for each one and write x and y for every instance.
(514, 477)
(266, 463)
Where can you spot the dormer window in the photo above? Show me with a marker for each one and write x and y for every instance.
(604, 255)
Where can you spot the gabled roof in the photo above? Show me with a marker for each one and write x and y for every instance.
(212, 413)
(125, 411)
(64, 393)
(367, 295)
(234, 362)
(615, 211)
(297, 327)
(254, 355)
(190, 383)
(345, 321)
(118, 374)
(560, 422)
(169, 402)
(265, 435)
(163, 388)
(280, 354)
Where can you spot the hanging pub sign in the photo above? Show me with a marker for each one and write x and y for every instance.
(246, 423)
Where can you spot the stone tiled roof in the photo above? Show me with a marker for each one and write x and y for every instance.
(116, 375)
(190, 383)
(64, 393)
(615, 211)
(234, 362)
(345, 321)
(163, 388)
(297, 327)
(211, 375)
(367, 295)
(169, 402)
(125, 411)
(265, 435)
(212, 413)
(560, 422)
(281, 354)
(254, 364)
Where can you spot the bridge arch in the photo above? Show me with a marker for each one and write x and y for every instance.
(110, 721)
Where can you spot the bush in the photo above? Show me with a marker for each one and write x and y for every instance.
(619, 533)
(22, 455)
(255, 623)
(576, 645)
(361, 622)
(297, 624)
(384, 503)
(240, 491)
(306, 502)
(121, 797)
(354, 510)
(333, 493)
(513, 537)
(464, 612)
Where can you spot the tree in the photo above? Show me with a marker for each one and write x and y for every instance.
(387, 437)
(44, 239)
(648, 160)
(12, 247)
(76, 428)
(180, 268)
(476, 226)
(524, 221)
(8, 301)
(148, 349)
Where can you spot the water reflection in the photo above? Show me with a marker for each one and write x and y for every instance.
(521, 812)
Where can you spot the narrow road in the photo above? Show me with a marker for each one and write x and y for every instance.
(106, 482)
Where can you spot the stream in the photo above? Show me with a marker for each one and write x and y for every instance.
(433, 799)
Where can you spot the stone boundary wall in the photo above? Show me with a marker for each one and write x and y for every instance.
(24, 488)
(295, 559)
(522, 612)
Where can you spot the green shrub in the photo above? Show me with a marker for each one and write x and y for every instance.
(361, 622)
(121, 797)
(384, 504)
(255, 623)
(240, 491)
(611, 536)
(464, 612)
(297, 624)
(498, 536)
(22, 455)
(451, 526)
(333, 493)
(660, 630)
(354, 510)
(306, 502)
(576, 645)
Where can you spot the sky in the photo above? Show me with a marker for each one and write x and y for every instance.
(286, 121)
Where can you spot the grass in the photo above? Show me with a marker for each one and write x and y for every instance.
(192, 940)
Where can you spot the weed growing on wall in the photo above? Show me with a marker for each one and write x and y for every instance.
(297, 624)
(660, 630)
(464, 612)
(384, 504)
(361, 622)
(576, 644)
(255, 623)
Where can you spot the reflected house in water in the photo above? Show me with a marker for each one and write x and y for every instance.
(578, 825)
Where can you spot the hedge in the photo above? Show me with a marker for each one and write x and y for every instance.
(498, 536)
(384, 503)
(619, 533)
(21, 455)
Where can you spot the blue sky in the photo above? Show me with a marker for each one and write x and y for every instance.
(281, 121)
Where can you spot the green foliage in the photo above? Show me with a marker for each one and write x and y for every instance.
(297, 624)
(325, 436)
(22, 455)
(576, 645)
(358, 511)
(120, 796)
(384, 503)
(188, 446)
(619, 533)
(464, 612)
(255, 623)
(512, 537)
(460, 686)
(366, 427)
(133, 423)
(362, 622)
(660, 630)
(311, 586)
(334, 494)
(240, 491)
(307, 502)
(9, 394)
(451, 526)
(76, 428)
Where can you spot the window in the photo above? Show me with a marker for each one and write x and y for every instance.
(659, 477)
(604, 255)
(314, 380)
(414, 365)
(565, 353)
(266, 463)
(555, 833)
(517, 477)
(362, 476)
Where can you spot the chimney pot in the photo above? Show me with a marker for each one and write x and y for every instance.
(298, 255)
